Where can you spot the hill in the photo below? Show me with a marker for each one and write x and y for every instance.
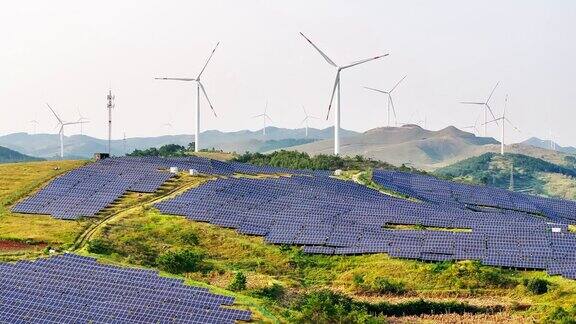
(409, 144)
(530, 174)
(278, 283)
(82, 146)
(9, 156)
(537, 142)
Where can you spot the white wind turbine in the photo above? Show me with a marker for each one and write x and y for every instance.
(337, 89)
(62, 124)
(473, 127)
(390, 101)
(487, 108)
(81, 118)
(34, 123)
(199, 87)
(264, 118)
(504, 120)
(307, 119)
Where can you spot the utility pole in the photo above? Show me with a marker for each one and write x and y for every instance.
(511, 176)
(110, 105)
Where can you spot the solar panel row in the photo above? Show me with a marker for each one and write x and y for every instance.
(75, 289)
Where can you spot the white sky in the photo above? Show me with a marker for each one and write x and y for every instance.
(67, 53)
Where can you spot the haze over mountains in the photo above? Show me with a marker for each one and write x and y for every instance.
(408, 144)
(82, 146)
(534, 141)
(8, 156)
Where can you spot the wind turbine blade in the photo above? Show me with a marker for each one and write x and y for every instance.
(258, 116)
(491, 113)
(491, 93)
(364, 61)
(176, 79)
(266, 116)
(509, 122)
(55, 115)
(207, 61)
(397, 83)
(304, 120)
(472, 103)
(333, 92)
(377, 90)
(491, 121)
(392, 105)
(305, 113)
(319, 51)
(208, 99)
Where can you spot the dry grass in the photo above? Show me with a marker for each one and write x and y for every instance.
(559, 185)
(17, 181)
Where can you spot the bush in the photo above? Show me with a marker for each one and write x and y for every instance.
(386, 286)
(180, 262)
(274, 292)
(189, 238)
(326, 306)
(473, 275)
(561, 316)
(238, 283)
(536, 286)
(99, 246)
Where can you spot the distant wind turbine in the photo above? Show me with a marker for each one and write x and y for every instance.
(62, 124)
(81, 118)
(307, 119)
(474, 127)
(264, 118)
(34, 125)
(504, 120)
(390, 101)
(486, 105)
(169, 127)
(337, 89)
(199, 87)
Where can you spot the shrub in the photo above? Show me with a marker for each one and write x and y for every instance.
(189, 238)
(326, 306)
(179, 262)
(99, 246)
(238, 283)
(561, 316)
(473, 275)
(274, 292)
(384, 285)
(536, 286)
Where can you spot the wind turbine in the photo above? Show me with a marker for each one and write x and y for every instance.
(34, 123)
(169, 127)
(337, 89)
(264, 118)
(306, 119)
(390, 101)
(504, 120)
(474, 127)
(199, 86)
(81, 118)
(62, 124)
(487, 108)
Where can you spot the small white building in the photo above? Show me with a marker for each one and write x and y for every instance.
(193, 172)
(173, 169)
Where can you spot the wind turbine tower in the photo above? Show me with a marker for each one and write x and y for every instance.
(264, 118)
(109, 106)
(487, 108)
(390, 101)
(504, 120)
(62, 124)
(199, 87)
(337, 89)
(306, 119)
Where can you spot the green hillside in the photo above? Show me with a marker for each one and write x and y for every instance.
(9, 156)
(528, 174)
(277, 283)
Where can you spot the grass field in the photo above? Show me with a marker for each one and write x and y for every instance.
(17, 180)
(282, 283)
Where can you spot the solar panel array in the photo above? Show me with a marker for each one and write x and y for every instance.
(88, 190)
(76, 289)
(330, 216)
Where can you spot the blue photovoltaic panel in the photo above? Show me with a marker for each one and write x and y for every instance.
(74, 289)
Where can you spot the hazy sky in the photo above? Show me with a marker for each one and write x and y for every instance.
(68, 53)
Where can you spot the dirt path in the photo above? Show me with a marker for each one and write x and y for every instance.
(90, 231)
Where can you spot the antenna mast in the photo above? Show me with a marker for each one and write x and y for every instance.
(110, 105)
